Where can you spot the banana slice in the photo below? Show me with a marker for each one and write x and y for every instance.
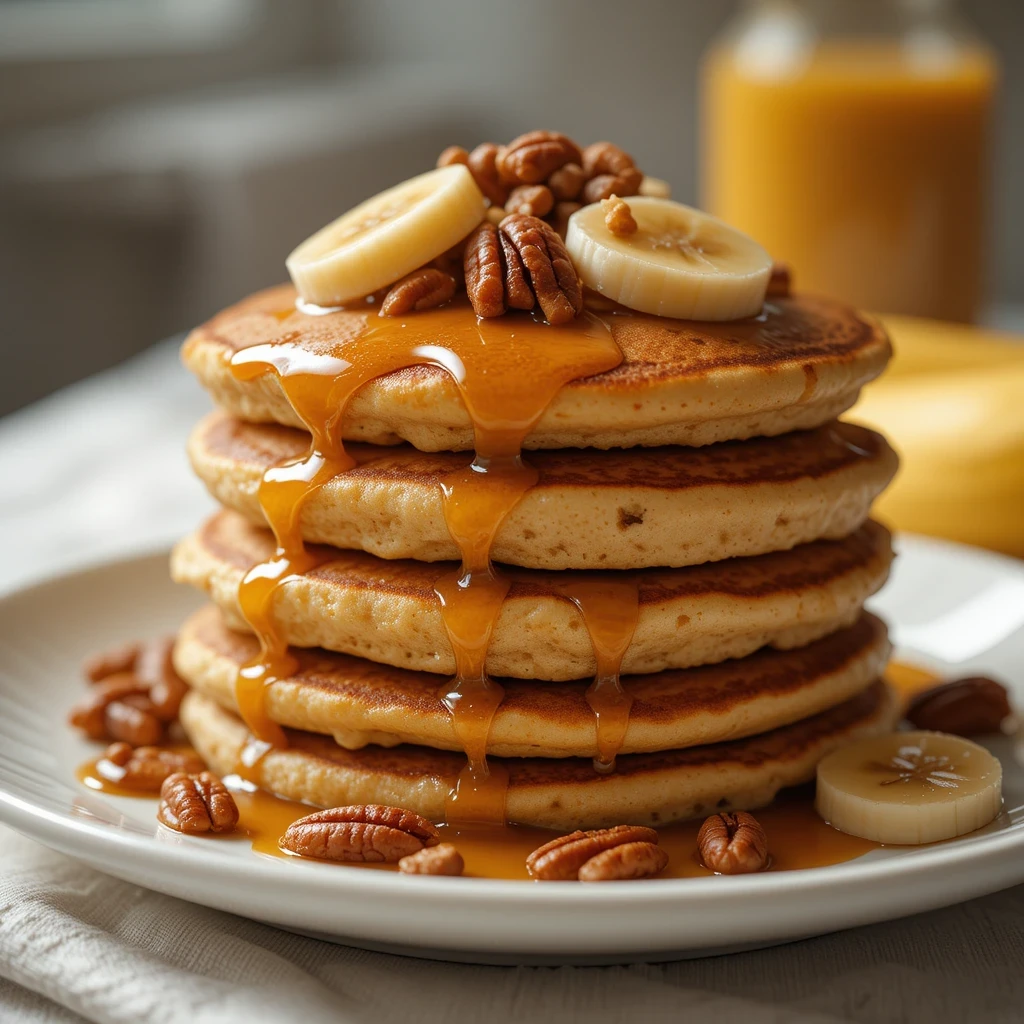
(387, 237)
(907, 788)
(679, 262)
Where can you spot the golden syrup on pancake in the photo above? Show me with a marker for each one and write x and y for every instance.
(508, 371)
(610, 608)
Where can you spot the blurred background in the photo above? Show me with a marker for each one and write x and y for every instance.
(159, 158)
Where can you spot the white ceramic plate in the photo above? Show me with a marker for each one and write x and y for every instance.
(951, 607)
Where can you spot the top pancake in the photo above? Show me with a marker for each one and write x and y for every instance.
(797, 365)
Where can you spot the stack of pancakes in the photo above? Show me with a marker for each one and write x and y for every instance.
(706, 474)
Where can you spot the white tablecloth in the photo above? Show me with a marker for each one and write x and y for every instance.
(99, 469)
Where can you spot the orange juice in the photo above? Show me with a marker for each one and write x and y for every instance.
(861, 163)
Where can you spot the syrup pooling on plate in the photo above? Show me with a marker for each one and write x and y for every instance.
(507, 371)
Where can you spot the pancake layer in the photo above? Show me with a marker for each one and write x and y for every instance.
(387, 611)
(359, 702)
(589, 510)
(799, 364)
(646, 789)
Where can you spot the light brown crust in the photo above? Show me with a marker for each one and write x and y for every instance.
(609, 510)
(798, 365)
(360, 702)
(647, 789)
(356, 603)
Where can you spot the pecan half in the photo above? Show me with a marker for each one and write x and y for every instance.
(422, 289)
(630, 860)
(972, 706)
(732, 843)
(133, 720)
(453, 155)
(482, 163)
(553, 278)
(604, 185)
(562, 858)
(155, 668)
(362, 832)
(111, 662)
(433, 860)
(196, 803)
(567, 182)
(780, 283)
(605, 158)
(90, 713)
(618, 217)
(528, 159)
(535, 200)
(145, 768)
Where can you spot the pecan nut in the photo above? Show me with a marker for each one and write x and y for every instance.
(363, 832)
(562, 858)
(528, 159)
(552, 276)
(111, 662)
(535, 200)
(630, 860)
(433, 860)
(567, 182)
(605, 158)
(732, 843)
(604, 185)
(972, 706)
(618, 217)
(145, 768)
(194, 804)
(90, 713)
(485, 271)
(482, 163)
(154, 668)
(453, 155)
(425, 288)
(133, 720)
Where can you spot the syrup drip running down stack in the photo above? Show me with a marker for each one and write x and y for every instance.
(549, 475)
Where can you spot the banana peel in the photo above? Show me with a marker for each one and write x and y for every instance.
(952, 404)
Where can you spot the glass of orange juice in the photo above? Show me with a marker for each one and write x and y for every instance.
(851, 137)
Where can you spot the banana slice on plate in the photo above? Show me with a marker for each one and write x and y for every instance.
(387, 237)
(907, 788)
(679, 262)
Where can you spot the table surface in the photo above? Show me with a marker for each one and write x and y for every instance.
(99, 470)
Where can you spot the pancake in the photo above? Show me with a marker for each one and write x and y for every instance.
(589, 510)
(387, 611)
(797, 365)
(359, 702)
(646, 789)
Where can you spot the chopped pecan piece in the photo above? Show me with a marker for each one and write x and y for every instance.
(535, 200)
(780, 283)
(553, 278)
(483, 167)
(972, 706)
(732, 843)
(528, 159)
(145, 768)
(197, 803)
(604, 185)
(618, 217)
(362, 832)
(567, 182)
(111, 662)
(563, 858)
(433, 860)
(422, 289)
(630, 860)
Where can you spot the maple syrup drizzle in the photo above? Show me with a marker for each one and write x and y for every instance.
(609, 608)
(508, 371)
